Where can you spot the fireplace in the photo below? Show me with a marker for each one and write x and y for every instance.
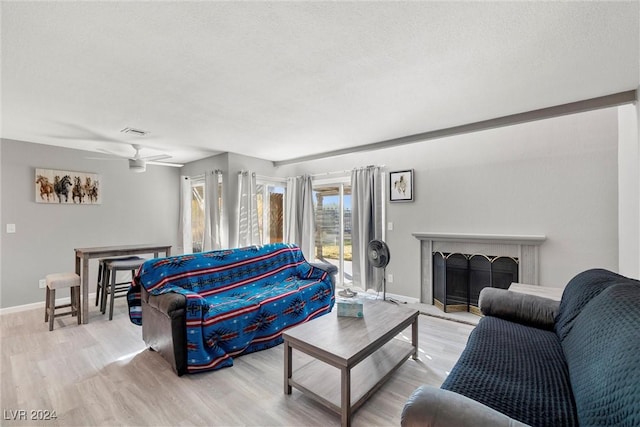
(459, 278)
(478, 259)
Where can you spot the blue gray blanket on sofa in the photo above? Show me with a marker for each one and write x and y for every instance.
(586, 371)
(238, 300)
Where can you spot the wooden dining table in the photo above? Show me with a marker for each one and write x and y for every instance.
(83, 255)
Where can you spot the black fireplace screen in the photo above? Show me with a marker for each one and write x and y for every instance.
(459, 278)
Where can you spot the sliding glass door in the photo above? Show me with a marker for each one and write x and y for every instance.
(332, 205)
(197, 213)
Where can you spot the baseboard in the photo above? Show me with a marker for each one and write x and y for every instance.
(402, 298)
(36, 305)
(378, 295)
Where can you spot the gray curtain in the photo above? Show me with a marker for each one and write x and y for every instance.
(215, 224)
(299, 215)
(367, 199)
(248, 231)
(185, 215)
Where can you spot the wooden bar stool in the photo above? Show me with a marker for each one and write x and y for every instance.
(101, 286)
(60, 281)
(117, 289)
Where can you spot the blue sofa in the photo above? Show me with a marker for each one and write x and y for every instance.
(200, 310)
(533, 361)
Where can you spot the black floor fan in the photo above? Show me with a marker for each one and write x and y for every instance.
(379, 256)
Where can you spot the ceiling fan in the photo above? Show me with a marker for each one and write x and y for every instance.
(137, 163)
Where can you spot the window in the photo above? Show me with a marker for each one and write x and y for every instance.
(198, 195)
(270, 197)
(332, 204)
(197, 213)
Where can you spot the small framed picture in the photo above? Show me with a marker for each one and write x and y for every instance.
(401, 186)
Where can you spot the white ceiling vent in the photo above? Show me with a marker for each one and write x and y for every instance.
(133, 131)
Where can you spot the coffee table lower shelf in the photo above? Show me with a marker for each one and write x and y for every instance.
(323, 382)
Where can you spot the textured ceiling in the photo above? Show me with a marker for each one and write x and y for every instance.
(280, 80)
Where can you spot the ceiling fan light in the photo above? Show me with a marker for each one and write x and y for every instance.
(137, 165)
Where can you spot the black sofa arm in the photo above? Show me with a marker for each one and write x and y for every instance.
(531, 310)
(164, 327)
(167, 303)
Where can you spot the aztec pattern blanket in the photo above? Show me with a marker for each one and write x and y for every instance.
(238, 300)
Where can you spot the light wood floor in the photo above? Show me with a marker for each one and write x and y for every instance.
(100, 374)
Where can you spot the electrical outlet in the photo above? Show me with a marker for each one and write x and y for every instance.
(390, 278)
(42, 283)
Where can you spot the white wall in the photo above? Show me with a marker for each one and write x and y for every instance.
(629, 190)
(555, 177)
(136, 208)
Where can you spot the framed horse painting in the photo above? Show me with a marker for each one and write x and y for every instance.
(67, 187)
(401, 186)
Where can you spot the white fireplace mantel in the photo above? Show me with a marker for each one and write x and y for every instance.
(522, 247)
(484, 238)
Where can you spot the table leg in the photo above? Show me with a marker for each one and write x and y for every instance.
(288, 366)
(346, 396)
(414, 338)
(85, 290)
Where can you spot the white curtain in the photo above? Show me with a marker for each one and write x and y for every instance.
(367, 199)
(215, 224)
(299, 215)
(185, 215)
(248, 232)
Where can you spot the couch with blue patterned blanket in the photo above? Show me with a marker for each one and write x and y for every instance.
(534, 361)
(200, 310)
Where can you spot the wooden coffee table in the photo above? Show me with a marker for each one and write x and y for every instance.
(364, 345)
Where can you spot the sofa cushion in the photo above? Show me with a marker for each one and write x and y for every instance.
(518, 370)
(602, 351)
(579, 291)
